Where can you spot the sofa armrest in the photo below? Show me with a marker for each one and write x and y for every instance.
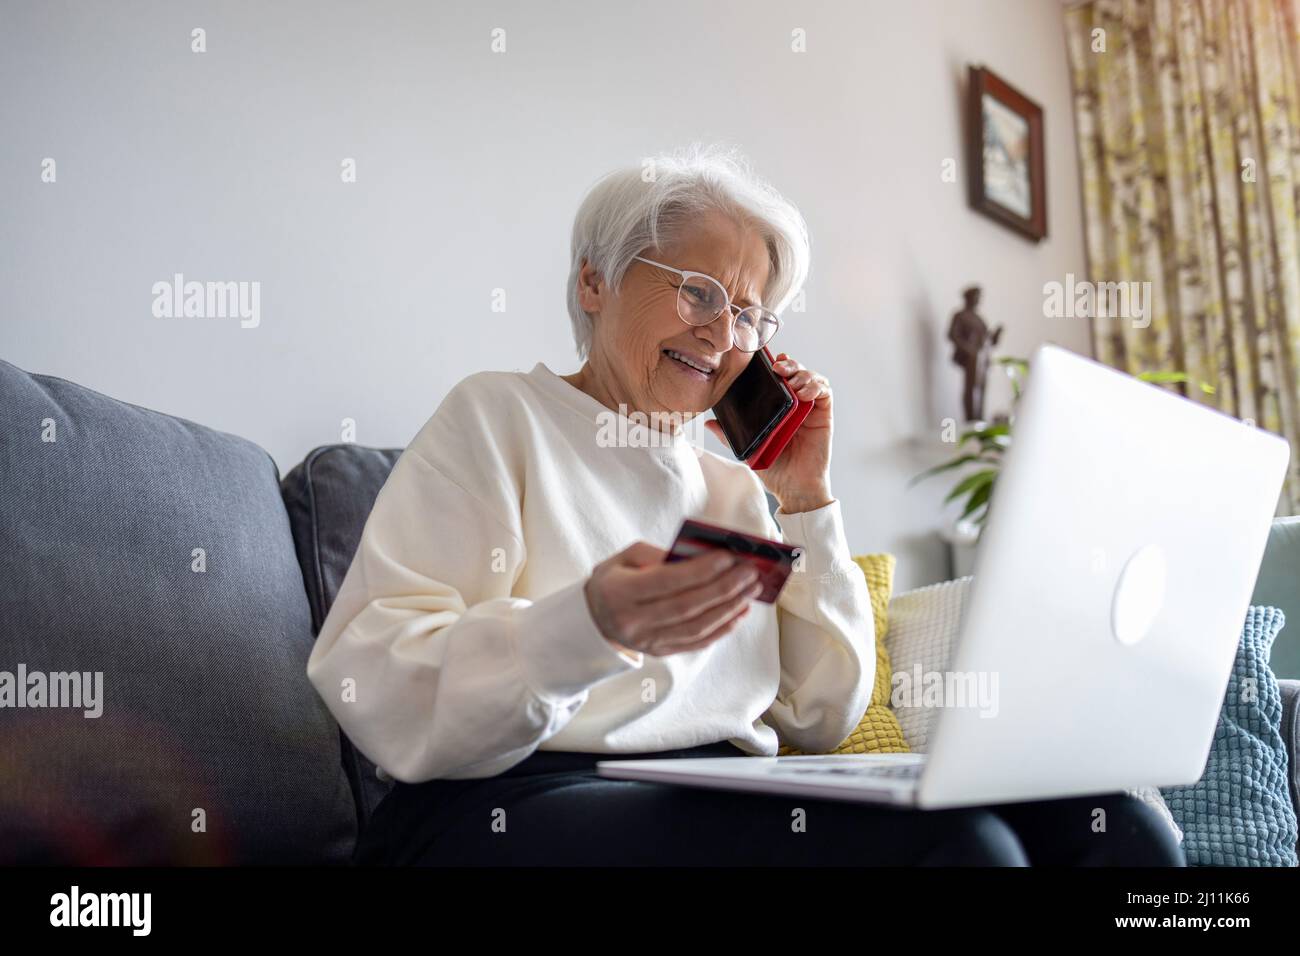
(1291, 735)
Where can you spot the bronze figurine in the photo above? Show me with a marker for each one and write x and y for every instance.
(972, 344)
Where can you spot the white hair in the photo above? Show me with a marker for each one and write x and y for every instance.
(655, 204)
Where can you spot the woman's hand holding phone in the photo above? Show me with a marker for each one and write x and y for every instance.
(800, 478)
(643, 603)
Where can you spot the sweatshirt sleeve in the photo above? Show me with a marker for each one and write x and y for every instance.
(827, 636)
(425, 659)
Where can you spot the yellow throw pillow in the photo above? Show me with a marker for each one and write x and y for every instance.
(878, 732)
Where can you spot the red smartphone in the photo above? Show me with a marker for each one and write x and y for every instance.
(760, 414)
(773, 559)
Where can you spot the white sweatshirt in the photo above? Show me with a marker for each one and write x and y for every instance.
(461, 639)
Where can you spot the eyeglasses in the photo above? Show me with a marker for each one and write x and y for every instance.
(701, 299)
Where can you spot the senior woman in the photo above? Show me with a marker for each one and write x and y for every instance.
(509, 617)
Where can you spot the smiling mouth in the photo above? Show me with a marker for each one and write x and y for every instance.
(681, 359)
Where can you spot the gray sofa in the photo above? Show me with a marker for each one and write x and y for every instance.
(170, 560)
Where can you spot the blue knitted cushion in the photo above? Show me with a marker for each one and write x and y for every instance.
(1239, 813)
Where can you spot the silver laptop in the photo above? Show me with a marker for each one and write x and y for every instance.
(1111, 585)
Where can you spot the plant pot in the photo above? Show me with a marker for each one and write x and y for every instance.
(962, 538)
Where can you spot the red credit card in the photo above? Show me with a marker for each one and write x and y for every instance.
(773, 559)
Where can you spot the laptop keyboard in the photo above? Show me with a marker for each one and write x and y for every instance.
(907, 771)
(896, 771)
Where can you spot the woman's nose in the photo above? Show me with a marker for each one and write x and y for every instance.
(719, 331)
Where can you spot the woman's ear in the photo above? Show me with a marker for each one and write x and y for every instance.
(591, 288)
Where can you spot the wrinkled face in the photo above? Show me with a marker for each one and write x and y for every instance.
(636, 331)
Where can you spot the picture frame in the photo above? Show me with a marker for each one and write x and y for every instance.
(1007, 173)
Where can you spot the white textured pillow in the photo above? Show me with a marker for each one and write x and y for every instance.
(923, 626)
(1151, 797)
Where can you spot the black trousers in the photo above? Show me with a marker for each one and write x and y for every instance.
(552, 809)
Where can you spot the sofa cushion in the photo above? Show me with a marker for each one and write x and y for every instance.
(1240, 812)
(153, 555)
(1278, 585)
(1290, 730)
(329, 496)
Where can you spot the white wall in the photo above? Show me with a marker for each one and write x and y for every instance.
(375, 297)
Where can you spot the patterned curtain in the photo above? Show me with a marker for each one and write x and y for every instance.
(1188, 122)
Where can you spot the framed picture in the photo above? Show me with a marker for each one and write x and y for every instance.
(1008, 180)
